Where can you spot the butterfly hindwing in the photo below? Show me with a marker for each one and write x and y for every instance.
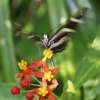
(58, 42)
(30, 36)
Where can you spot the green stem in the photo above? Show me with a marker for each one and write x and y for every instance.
(37, 80)
(36, 85)
(26, 91)
(56, 96)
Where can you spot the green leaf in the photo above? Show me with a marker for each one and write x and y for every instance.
(57, 13)
(5, 93)
(90, 66)
(95, 92)
(7, 53)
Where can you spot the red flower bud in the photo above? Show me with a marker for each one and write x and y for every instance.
(15, 90)
(29, 95)
(24, 83)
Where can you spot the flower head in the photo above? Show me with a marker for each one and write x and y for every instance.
(48, 76)
(22, 65)
(27, 70)
(47, 54)
(43, 91)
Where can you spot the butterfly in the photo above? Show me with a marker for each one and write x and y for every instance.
(58, 41)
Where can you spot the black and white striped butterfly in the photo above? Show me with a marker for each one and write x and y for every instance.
(59, 40)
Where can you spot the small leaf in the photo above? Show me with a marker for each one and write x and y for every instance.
(70, 87)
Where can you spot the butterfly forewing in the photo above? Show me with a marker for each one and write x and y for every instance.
(59, 40)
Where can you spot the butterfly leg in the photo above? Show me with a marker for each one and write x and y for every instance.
(52, 62)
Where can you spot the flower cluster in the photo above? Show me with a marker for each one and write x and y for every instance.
(46, 76)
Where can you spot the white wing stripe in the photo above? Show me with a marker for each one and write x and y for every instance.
(62, 40)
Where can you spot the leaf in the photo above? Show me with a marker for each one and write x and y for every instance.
(5, 93)
(7, 53)
(90, 66)
(70, 87)
(95, 92)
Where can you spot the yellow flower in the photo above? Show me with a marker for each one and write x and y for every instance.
(22, 65)
(43, 91)
(48, 76)
(47, 54)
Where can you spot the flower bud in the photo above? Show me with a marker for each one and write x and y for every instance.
(24, 84)
(29, 95)
(15, 90)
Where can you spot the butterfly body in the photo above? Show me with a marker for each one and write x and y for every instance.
(56, 45)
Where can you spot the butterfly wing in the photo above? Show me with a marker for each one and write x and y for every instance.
(30, 36)
(36, 39)
(59, 40)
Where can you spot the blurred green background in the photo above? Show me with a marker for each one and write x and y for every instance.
(79, 62)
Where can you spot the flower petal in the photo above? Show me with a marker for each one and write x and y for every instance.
(27, 77)
(33, 60)
(55, 70)
(36, 73)
(31, 66)
(50, 96)
(54, 81)
(44, 83)
(45, 66)
(20, 75)
(53, 86)
(37, 64)
(36, 90)
(41, 98)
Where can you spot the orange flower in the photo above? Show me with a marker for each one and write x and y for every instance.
(42, 63)
(48, 75)
(45, 91)
(26, 71)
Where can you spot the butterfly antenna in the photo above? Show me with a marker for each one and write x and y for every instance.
(55, 28)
